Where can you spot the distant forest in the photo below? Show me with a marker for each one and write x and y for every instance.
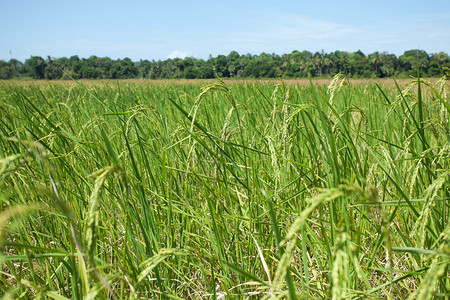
(294, 65)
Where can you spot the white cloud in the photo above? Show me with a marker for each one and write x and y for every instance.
(178, 54)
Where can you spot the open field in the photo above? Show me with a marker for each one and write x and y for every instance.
(212, 189)
(387, 82)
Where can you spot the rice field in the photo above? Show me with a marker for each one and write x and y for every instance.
(225, 190)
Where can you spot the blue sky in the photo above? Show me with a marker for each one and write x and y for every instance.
(161, 29)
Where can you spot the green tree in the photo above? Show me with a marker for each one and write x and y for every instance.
(90, 73)
(144, 68)
(233, 62)
(221, 66)
(357, 63)
(437, 63)
(74, 67)
(35, 67)
(389, 66)
(318, 62)
(123, 69)
(6, 71)
(412, 60)
(16, 67)
(375, 61)
(55, 68)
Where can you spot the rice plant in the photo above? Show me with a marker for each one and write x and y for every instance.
(143, 190)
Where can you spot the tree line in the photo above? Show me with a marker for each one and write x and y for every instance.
(294, 65)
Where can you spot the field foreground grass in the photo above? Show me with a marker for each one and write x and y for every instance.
(126, 190)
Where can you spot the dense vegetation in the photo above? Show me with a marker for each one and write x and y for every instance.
(149, 190)
(297, 64)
